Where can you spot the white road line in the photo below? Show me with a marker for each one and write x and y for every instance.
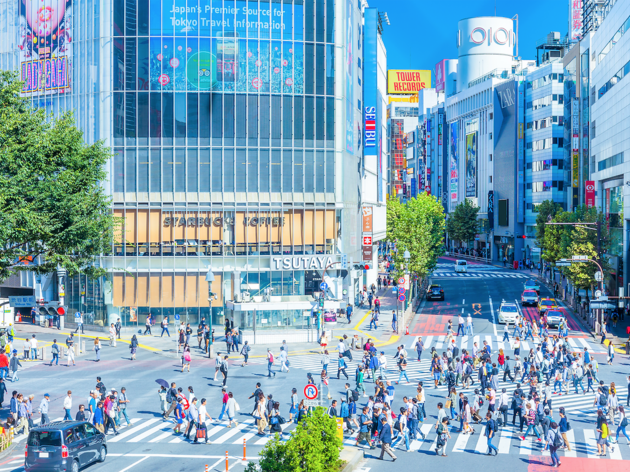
(463, 302)
(460, 442)
(133, 430)
(242, 428)
(494, 326)
(162, 436)
(616, 454)
(482, 442)
(427, 342)
(506, 439)
(161, 427)
(571, 439)
(134, 464)
(489, 341)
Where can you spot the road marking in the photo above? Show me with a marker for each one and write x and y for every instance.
(489, 341)
(162, 436)
(526, 446)
(460, 443)
(494, 326)
(616, 454)
(146, 434)
(482, 442)
(463, 303)
(571, 439)
(506, 439)
(134, 464)
(133, 430)
(590, 443)
(242, 428)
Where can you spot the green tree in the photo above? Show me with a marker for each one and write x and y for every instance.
(52, 202)
(462, 224)
(545, 210)
(416, 226)
(314, 446)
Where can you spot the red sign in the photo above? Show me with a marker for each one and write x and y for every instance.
(589, 193)
(310, 392)
(367, 240)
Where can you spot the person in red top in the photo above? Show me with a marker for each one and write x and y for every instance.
(225, 400)
(4, 365)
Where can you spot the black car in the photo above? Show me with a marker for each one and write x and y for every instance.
(435, 291)
(64, 446)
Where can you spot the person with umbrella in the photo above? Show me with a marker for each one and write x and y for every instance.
(162, 392)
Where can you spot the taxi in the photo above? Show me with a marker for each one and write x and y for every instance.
(546, 304)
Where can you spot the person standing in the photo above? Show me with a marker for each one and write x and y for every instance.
(460, 324)
(33, 348)
(70, 355)
(43, 409)
(112, 335)
(67, 406)
(97, 349)
(133, 347)
(118, 327)
(349, 313)
(469, 325)
(394, 321)
(270, 363)
(385, 436)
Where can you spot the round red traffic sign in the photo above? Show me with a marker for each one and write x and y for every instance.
(401, 298)
(401, 280)
(402, 290)
(310, 392)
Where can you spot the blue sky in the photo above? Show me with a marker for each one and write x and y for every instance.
(423, 32)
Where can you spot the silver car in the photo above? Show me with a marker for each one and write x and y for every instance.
(554, 317)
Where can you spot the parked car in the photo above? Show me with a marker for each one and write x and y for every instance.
(554, 317)
(529, 297)
(546, 304)
(64, 446)
(435, 291)
(508, 313)
(532, 285)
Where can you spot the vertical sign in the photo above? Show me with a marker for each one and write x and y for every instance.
(471, 164)
(440, 76)
(575, 20)
(575, 142)
(454, 162)
(589, 193)
(350, 60)
(491, 210)
(367, 219)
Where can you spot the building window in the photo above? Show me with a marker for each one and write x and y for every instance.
(610, 162)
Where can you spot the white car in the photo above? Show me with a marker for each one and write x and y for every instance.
(508, 313)
(461, 266)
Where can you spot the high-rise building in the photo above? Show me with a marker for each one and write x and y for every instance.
(592, 15)
(236, 131)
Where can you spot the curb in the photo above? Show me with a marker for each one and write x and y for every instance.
(353, 463)
(7, 452)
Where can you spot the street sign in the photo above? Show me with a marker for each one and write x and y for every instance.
(598, 276)
(580, 258)
(401, 298)
(323, 286)
(598, 293)
(310, 392)
(367, 240)
(563, 264)
(401, 280)
(22, 302)
(176, 317)
(311, 402)
(401, 290)
(394, 290)
(344, 261)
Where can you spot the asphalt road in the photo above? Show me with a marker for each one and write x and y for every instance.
(150, 446)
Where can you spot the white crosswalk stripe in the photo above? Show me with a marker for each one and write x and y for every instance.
(488, 275)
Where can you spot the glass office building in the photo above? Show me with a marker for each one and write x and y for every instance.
(229, 123)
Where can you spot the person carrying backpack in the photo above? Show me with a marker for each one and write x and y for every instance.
(491, 429)
(554, 442)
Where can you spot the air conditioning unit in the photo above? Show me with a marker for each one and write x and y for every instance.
(247, 297)
(238, 298)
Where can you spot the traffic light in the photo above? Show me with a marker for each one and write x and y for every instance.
(367, 265)
(321, 302)
(52, 308)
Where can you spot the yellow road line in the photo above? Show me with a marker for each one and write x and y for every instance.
(143, 346)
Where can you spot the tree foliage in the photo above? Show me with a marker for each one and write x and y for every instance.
(462, 224)
(545, 210)
(314, 446)
(52, 203)
(416, 226)
(565, 241)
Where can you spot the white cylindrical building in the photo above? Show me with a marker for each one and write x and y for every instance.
(484, 44)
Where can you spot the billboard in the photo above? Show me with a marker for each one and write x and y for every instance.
(471, 164)
(349, 66)
(45, 46)
(454, 162)
(440, 76)
(575, 20)
(491, 210)
(406, 82)
(590, 193)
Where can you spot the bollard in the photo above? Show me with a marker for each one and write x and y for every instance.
(244, 450)
(43, 354)
(207, 469)
(82, 346)
(227, 465)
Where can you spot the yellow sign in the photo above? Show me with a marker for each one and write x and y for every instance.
(340, 428)
(407, 82)
(576, 170)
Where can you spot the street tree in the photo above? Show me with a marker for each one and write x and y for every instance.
(314, 446)
(52, 201)
(462, 224)
(418, 227)
(545, 210)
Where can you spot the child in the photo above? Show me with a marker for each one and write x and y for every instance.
(81, 413)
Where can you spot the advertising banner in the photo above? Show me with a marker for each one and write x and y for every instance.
(454, 162)
(367, 219)
(575, 20)
(491, 210)
(589, 193)
(45, 46)
(471, 165)
(349, 60)
(406, 82)
(440, 76)
(575, 169)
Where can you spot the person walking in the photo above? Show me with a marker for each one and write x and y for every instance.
(123, 402)
(245, 353)
(623, 423)
(67, 406)
(54, 349)
(193, 417)
(469, 325)
(147, 326)
(112, 335)
(270, 360)
(97, 349)
(133, 347)
(554, 442)
(419, 346)
(179, 416)
(43, 409)
(491, 428)
(231, 409)
(530, 415)
(224, 370)
(14, 364)
(164, 325)
(602, 429)
(187, 359)
(284, 360)
(341, 367)
(385, 437)
(442, 436)
(201, 426)
(33, 348)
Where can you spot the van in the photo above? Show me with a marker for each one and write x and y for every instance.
(64, 446)
(461, 266)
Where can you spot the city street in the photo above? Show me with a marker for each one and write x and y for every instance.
(146, 445)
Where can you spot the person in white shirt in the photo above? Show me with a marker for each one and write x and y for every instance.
(283, 360)
(460, 324)
(33, 348)
(475, 350)
(382, 366)
(469, 325)
(202, 414)
(341, 347)
(67, 405)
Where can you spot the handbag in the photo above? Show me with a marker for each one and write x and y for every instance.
(237, 407)
(201, 433)
(274, 420)
(449, 403)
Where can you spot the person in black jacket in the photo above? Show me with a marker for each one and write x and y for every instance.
(385, 437)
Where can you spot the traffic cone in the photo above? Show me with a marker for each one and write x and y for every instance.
(407, 329)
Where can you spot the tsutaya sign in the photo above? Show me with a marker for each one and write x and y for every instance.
(301, 262)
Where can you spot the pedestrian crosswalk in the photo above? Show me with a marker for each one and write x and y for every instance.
(478, 275)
